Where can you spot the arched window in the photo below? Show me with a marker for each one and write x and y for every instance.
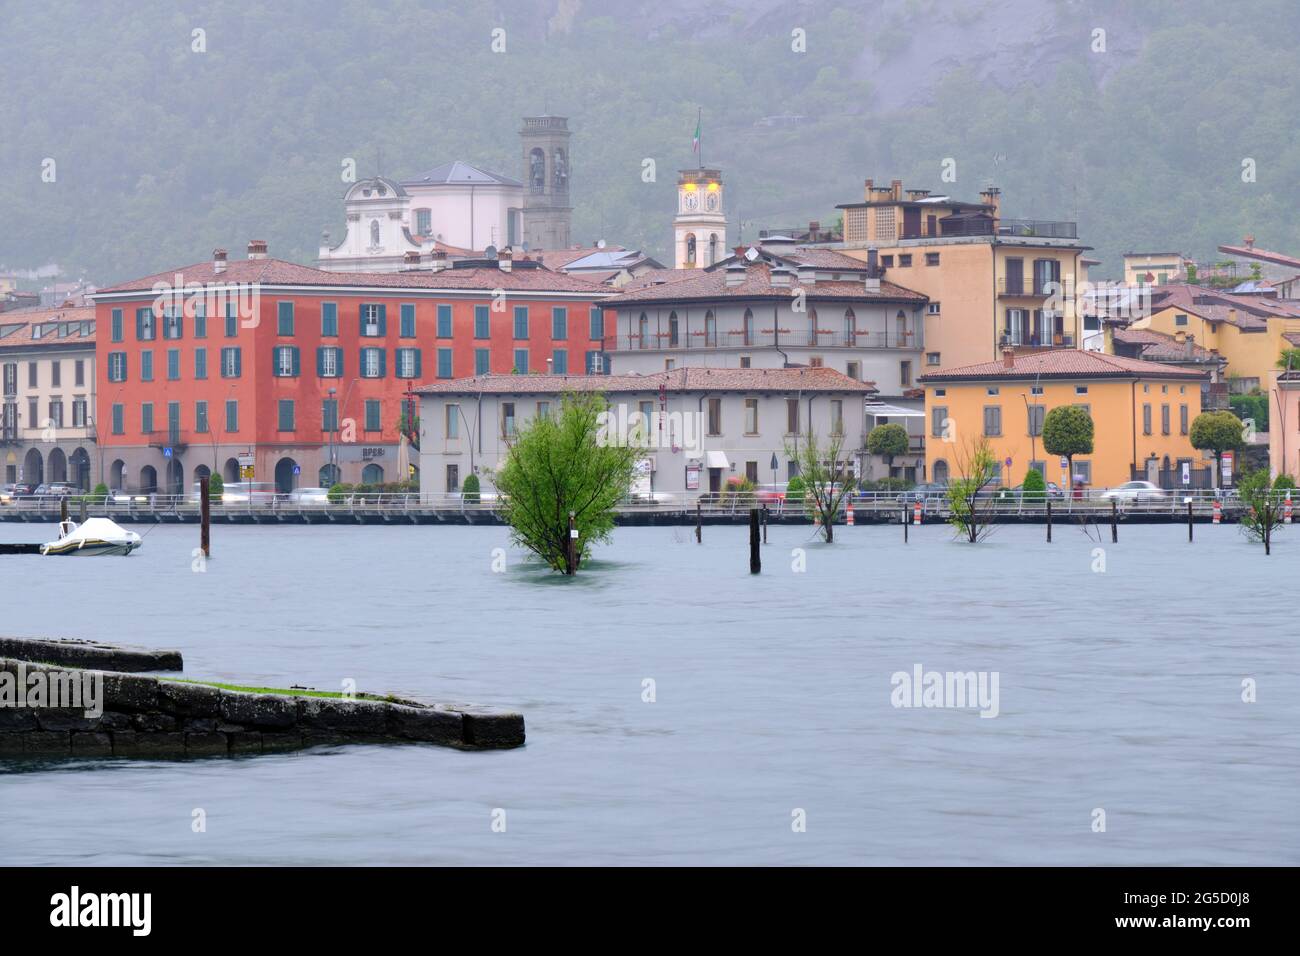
(710, 328)
(748, 330)
(850, 327)
(328, 476)
(901, 321)
(672, 328)
(690, 248)
(643, 331)
(537, 170)
(940, 476)
(812, 326)
(372, 474)
(713, 248)
(561, 171)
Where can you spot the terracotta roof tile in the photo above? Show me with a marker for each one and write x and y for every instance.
(689, 379)
(1062, 363)
(1162, 347)
(277, 272)
(757, 283)
(16, 327)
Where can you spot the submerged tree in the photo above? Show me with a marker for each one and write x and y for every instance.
(1263, 507)
(559, 469)
(827, 478)
(1217, 432)
(968, 499)
(1068, 431)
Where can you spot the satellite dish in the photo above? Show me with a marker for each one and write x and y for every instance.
(490, 252)
(751, 253)
(600, 243)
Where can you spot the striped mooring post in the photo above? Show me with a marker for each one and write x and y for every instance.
(1218, 512)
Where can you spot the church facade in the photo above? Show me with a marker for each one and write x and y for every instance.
(458, 209)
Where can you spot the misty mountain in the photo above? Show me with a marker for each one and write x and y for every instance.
(162, 152)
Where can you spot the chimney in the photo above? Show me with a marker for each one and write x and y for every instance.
(505, 259)
(1232, 316)
(993, 197)
(914, 194)
(1008, 358)
(895, 189)
(1180, 336)
(257, 248)
(867, 187)
(1191, 345)
(410, 260)
(739, 250)
(1250, 242)
(781, 277)
(218, 261)
(807, 275)
(438, 260)
(735, 273)
(873, 264)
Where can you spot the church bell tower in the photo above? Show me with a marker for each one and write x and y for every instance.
(699, 228)
(547, 209)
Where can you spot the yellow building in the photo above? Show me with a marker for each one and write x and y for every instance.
(1249, 331)
(1142, 412)
(990, 280)
(1154, 268)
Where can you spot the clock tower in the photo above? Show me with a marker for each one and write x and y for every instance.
(699, 228)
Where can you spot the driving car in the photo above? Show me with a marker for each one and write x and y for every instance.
(249, 493)
(1053, 493)
(928, 492)
(1135, 491)
(309, 497)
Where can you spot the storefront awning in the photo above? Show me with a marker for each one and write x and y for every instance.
(894, 411)
(716, 459)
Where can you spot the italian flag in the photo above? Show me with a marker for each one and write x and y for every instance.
(695, 143)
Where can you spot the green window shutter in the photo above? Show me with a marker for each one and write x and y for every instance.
(361, 318)
(139, 323)
(338, 362)
(117, 325)
(444, 321)
(383, 362)
(239, 363)
(444, 363)
(284, 318)
(383, 320)
(297, 361)
(408, 320)
(417, 362)
(320, 362)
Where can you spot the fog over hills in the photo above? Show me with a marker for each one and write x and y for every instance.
(162, 153)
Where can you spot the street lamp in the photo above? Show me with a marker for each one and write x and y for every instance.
(332, 391)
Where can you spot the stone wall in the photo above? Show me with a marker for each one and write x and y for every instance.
(147, 716)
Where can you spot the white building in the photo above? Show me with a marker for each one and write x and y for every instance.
(702, 426)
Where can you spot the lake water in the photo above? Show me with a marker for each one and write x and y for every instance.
(1118, 690)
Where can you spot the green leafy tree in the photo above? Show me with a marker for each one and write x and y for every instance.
(1217, 432)
(216, 487)
(827, 477)
(558, 467)
(969, 503)
(1068, 431)
(470, 489)
(1289, 360)
(1263, 508)
(1283, 483)
(888, 440)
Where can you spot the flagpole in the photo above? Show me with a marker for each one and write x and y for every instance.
(699, 125)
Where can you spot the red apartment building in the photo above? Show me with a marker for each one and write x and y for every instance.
(306, 373)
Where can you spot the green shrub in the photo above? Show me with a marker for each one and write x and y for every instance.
(100, 492)
(738, 489)
(338, 492)
(1283, 482)
(1035, 486)
(470, 489)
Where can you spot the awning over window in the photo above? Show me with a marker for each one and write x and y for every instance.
(894, 411)
(716, 459)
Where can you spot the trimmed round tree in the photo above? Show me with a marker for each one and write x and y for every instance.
(469, 488)
(888, 440)
(1217, 432)
(1034, 486)
(1068, 431)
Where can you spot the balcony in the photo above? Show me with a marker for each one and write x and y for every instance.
(958, 226)
(1038, 228)
(1036, 340)
(1010, 286)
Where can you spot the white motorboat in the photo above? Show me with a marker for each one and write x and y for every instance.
(93, 536)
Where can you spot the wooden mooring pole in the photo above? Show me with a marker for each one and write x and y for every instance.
(63, 509)
(699, 523)
(1114, 521)
(1189, 521)
(83, 509)
(205, 542)
(1049, 520)
(571, 549)
(755, 554)
(905, 523)
(765, 524)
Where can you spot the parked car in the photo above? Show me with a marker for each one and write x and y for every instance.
(1135, 491)
(249, 493)
(55, 489)
(928, 493)
(309, 497)
(1053, 493)
(119, 496)
(21, 489)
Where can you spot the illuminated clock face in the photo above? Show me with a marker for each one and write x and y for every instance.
(691, 200)
(711, 202)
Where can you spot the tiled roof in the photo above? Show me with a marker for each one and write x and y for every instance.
(16, 327)
(557, 259)
(1183, 296)
(712, 284)
(457, 173)
(277, 272)
(689, 379)
(819, 259)
(1292, 337)
(1063, 363)
(1161, 347)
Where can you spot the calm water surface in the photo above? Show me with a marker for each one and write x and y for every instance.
(1119, 690)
